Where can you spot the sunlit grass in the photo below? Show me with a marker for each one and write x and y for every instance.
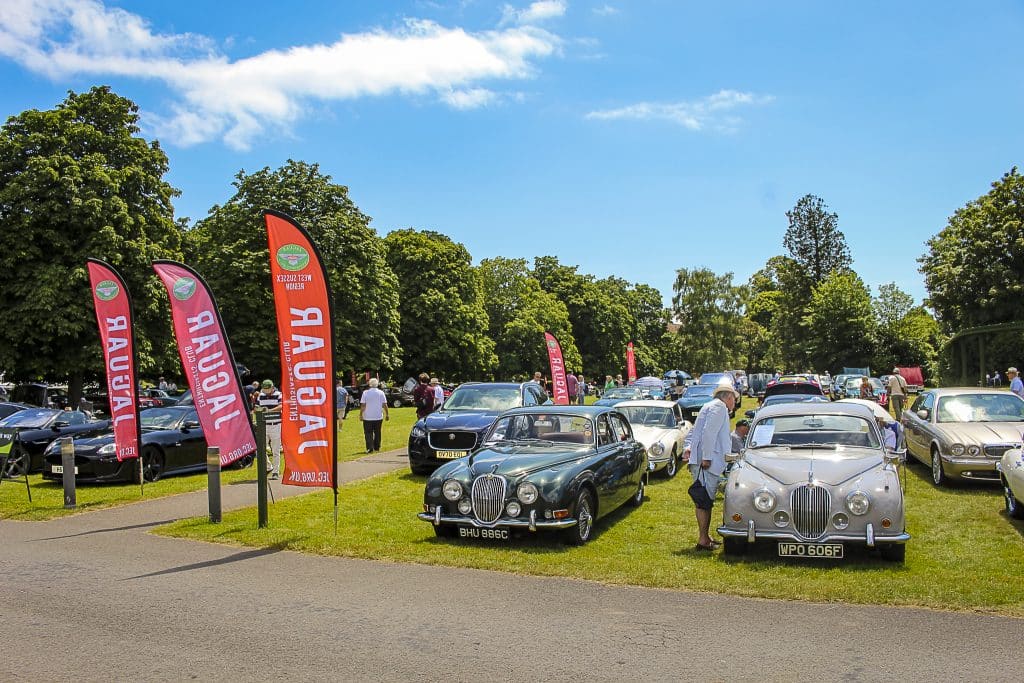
(965, 553)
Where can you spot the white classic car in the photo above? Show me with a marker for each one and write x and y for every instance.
(814, 478)
(660, 427)
(1011, 476)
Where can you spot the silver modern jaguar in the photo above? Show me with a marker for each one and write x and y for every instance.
(813, 479)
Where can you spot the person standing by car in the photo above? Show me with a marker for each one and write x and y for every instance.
(435, 384)
(581, 394)
(707, 445)
(739, 435)
(423, 396)
(340, 401)
(865, 390)
(1016, 385)
(571, 387)
(373, 410)
(897, 392)
(270, 400)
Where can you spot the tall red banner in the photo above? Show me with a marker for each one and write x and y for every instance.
(302, 300)
(630, 364)
(208, 362)
(114, 317)
(561, 389)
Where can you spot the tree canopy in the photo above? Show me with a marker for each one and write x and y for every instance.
(813, 239)
(78, 181)
(229, 248)
(709, 310)
(840, 323)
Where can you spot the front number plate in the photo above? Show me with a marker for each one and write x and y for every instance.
(59, 469)
(473, 532)
(451, 455)
(830, 551)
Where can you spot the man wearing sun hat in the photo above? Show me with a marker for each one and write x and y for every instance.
(706, 452)
(1016, 385)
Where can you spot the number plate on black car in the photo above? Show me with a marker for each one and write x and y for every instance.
(451, 455)
(830, 551)
(473, 532)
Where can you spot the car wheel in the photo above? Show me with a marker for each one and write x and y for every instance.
(1013, 507)
(396, 403)
(152, 464)
(244, 462)
(18, 462)
(734, 546)
(445, 530)
(584, 512)
(638, 498)
(939, 477)
(894, 552)
(673, 465)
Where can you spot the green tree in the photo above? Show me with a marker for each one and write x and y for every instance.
(78, 181)
(519, 312)
(709, 310)
(444, 324)
(974, 268)
(891, 307)
(229, 248)
(814, 240)
(840, 323)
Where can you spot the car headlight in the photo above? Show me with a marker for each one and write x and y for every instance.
(657, 449)
(527, 493)
(957, 449)
(418, 432)
(465, 507)
(764, 500)
(858, 502)
(513, 509)
(973, 450)
(107, 450)
(452, 490)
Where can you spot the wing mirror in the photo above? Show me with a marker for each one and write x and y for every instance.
(732, 457)
(923, 413)
(189, 425)
(749, 413)
(895, 455)
(59, 425)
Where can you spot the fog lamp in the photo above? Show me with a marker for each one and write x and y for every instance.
(513, 509)
(781, 518)
(840, 520)
(465, 507)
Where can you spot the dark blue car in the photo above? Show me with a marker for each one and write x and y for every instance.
(456, 430)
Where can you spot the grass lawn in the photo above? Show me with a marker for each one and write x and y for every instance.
(965, 554)
(48, 497)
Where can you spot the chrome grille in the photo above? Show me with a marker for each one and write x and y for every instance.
(488, 498)
(811, 505)
(996, 450)
(451, 440)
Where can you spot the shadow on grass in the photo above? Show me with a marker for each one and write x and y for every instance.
(236, 557)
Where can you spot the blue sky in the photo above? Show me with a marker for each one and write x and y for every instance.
(629, 138)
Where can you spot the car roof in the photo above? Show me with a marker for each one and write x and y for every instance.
(784, 409)
(583, 411)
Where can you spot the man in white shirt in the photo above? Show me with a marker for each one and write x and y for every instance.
(438, 393)
(708, 444)
(269, 400)
(1016, 385)
(373, 410)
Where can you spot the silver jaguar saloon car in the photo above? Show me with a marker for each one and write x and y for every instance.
(815, 478)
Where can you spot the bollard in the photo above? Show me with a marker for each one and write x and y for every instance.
(67, 460)
(213, 481)
(261, 469)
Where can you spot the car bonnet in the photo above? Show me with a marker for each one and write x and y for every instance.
(823, 465)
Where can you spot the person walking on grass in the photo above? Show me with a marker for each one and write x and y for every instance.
(897, 392)
(708, 443)
(435, 384)
(269, 399)
(373, 411)
(423, 396)
(340, 401)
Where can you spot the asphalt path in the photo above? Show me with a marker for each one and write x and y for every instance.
(94, 597)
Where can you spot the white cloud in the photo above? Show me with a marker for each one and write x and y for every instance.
(605, 10)
(237, 100)
(708, 113)
(536, 12)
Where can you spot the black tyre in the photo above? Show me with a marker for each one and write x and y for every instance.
(734, 546)
(585, 513)
(19, 462)
(638, 497)
(894, 552)
(1013, 507)
(152, 464)
(396, 403)
(939, 477)
(445, 530)
(673, 465)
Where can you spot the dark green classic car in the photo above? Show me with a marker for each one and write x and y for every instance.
(539, 468)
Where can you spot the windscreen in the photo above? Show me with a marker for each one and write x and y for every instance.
(980, 408)
(649, 416)
(484, 397)
(804, 430)
(159, 418)
(533, 429)
(700, 390)
(29, 419)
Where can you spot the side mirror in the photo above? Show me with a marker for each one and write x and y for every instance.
(732, 457)
(60, 425)
(749, 413)
(923, 413)
(189, 425)
(895, 455)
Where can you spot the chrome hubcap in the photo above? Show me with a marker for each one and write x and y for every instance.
(585, 519)
(936, 468)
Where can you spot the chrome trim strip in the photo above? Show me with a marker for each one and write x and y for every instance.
(827, 538)
(506, 523)
(870, 533)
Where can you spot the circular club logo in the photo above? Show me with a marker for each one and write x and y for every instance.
(184, 288)
(107, 290)
(551, 344)
(292, 257)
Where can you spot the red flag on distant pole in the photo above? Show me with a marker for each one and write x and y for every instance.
(630, 364)
(114, 317)
(561, 389)
(208, 362)
(302, 300)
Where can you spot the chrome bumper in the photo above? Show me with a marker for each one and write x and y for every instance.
(532, 524)
(870, 539)
(957, 466)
